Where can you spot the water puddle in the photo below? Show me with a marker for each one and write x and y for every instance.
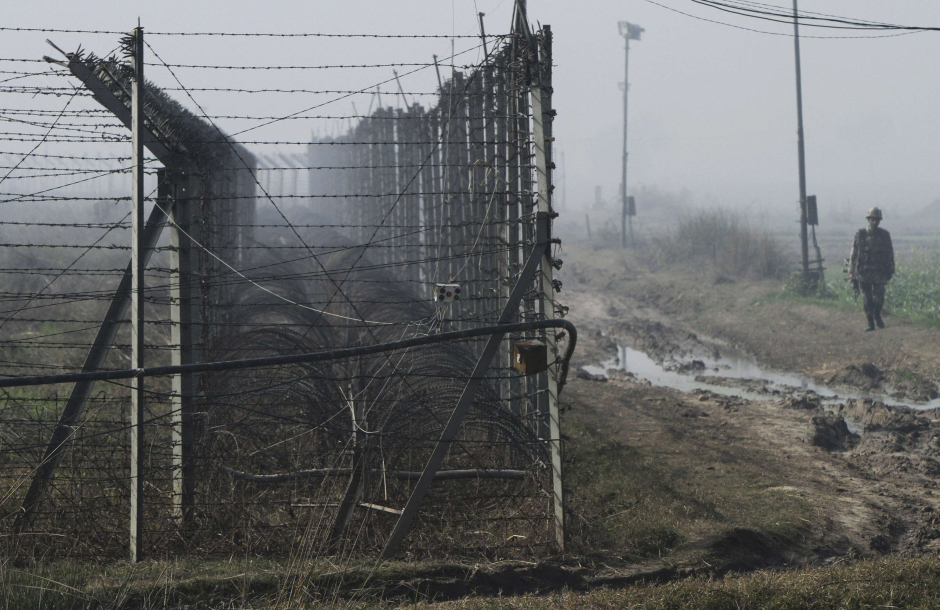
(729, 373)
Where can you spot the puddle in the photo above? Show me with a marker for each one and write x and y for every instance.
(688, 374)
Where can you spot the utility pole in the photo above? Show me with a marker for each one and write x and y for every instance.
(138, 261)
(629, 31)
(804, 237)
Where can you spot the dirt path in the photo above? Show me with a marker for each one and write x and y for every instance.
(825, 342)
(762, 489)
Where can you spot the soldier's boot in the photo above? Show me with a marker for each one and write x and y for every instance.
(878, 320)
(871, 323)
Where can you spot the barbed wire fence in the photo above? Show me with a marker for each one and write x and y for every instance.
(413, 219)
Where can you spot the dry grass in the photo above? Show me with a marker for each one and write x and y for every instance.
(883, 583)
(724, 241)
(629, 504)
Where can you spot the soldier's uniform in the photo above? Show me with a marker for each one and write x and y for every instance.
(872, 265)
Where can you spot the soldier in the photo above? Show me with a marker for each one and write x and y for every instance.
(872, 265)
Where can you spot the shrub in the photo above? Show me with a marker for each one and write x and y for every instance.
(726, 242)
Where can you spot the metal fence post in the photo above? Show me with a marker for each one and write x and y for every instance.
(177, 186)
(137, 295)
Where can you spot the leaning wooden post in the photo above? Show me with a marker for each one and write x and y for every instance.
(137, 294)
(178, 186)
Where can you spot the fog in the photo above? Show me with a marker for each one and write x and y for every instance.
(712, 107)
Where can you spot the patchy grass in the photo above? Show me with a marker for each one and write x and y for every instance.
(880, 583)
(633, 503)
(234, 583)
(883, 583)
(613, 507)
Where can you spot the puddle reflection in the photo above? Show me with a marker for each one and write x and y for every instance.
(681, 374)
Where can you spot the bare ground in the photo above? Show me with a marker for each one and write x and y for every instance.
(763, 490)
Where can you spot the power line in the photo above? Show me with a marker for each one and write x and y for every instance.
(769, 33)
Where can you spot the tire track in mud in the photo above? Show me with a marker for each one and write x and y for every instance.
(878, 488)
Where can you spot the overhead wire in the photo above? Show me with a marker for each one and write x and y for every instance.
(770, 33)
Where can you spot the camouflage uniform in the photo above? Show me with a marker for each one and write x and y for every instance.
(872, 263)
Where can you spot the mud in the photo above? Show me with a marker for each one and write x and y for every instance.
(831, 433)
(685, 361)
(858, 435)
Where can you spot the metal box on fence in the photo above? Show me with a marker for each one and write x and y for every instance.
(446, 293)
(530, 357)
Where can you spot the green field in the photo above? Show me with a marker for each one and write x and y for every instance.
(912, 294)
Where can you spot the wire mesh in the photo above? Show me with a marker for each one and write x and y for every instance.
(270, 252)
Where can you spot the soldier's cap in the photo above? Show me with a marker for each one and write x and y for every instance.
(874, 213)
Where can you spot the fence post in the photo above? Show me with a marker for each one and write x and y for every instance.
(104, 340)
(178, 187)
(501, 215)
(137, 295)
(542, 114)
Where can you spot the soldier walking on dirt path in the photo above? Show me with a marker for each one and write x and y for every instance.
(872, 265)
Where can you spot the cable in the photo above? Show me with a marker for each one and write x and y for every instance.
(790, 35)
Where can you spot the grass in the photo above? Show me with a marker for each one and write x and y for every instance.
(614, 510)
(913, 293)
(882, 583)
(629, 504)
(891, 582)
(725, 241)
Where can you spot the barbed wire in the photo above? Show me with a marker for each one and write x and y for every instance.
(250, 34)
(443, 190)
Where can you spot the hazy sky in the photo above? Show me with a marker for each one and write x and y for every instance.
(712, 108)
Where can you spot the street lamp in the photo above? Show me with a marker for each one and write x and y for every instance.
(630, 30)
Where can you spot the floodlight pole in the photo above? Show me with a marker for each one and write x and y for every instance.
(804, 237)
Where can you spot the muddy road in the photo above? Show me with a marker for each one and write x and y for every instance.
(716, 426)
